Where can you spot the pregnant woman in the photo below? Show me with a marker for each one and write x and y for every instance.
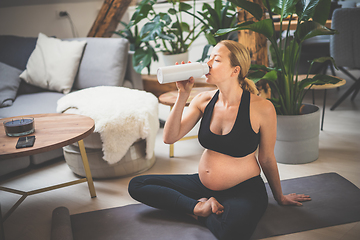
(228, 194)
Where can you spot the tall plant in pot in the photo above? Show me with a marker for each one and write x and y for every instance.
(222, 14)
(143, 53)
(287, 91)
(169, 30)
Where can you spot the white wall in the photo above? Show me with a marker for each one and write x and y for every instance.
(30, 20)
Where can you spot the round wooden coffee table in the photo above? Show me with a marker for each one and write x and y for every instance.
(322, 87)
(169, 99)
(52, 131)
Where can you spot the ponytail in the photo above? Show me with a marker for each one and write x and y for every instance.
(249, 86)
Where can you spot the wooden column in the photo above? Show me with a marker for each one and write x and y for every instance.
(255, 42)
(108, 18)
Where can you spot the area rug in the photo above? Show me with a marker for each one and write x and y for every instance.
(335, 201)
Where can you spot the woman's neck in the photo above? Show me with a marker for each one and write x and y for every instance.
(230, 94)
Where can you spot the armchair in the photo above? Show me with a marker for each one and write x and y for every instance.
(345, 46)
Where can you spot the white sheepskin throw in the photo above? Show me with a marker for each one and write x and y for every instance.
(121, 115)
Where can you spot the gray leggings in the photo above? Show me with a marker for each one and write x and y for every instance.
(244, 204)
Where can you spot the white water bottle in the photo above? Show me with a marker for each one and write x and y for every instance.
(181, 72)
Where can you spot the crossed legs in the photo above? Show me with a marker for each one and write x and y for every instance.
(243, 205)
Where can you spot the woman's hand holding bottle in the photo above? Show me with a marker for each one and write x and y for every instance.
(185, 86)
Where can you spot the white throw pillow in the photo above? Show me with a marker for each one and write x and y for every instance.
(54, 63)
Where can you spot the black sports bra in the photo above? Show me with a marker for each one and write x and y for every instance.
(240, 141)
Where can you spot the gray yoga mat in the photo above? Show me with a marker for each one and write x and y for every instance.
(335, 201)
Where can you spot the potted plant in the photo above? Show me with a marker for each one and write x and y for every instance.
(222, 15)
(168, 30)
(143, 53)
(287, 91)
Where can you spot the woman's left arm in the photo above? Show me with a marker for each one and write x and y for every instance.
(267, 159)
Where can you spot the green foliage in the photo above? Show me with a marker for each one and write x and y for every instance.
(144, 52)
(222, 15)
(288, 92)
(175, 35)
(163, 31)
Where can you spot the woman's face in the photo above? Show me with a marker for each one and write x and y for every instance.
(220, 67)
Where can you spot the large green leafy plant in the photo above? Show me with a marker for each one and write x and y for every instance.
(221, 15)
(288, 92)
(161, 31)
(169, 28)
(144, 52)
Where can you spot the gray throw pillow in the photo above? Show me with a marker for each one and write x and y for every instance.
(104, 62)
(9, 84)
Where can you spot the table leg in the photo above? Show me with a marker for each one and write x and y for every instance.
(2, 233)
(87, 168)
(171, 146)
(18, 202)
(323, 112)
(313, 96)
(171, 153)
(355, 93)
(346, 94)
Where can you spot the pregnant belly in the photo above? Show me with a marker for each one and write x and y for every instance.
(218, 171)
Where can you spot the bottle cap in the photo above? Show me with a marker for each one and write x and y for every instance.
(205, 68)
(160, 76)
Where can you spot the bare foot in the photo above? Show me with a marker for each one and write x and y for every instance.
(207, 206)
(200, 200)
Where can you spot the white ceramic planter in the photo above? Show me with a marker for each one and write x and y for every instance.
(171, 59)
(297, 139)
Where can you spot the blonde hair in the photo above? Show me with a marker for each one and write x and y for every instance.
(240, 56)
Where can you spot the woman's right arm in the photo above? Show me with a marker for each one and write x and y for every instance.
(178, 124)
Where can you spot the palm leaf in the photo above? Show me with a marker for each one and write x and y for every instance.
(306, 9)
(264, 27)
(311, 29)
(318, 79)
(322, 10)
(251, 7)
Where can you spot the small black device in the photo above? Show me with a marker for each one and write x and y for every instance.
(24, 142)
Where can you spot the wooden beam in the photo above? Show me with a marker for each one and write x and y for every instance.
(255, 42)
(108, 18)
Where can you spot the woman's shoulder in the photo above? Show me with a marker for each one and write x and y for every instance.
(203, 98)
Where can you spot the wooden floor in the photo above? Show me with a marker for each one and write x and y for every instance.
(339, 152)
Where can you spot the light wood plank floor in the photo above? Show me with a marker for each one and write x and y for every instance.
(339, 152)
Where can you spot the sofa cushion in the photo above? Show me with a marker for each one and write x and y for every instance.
(26, 88)
(104, 62)
(54, 63)
(9, 84)
(15, 51)
(36, 103)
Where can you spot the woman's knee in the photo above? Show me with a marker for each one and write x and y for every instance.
(135, 185)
